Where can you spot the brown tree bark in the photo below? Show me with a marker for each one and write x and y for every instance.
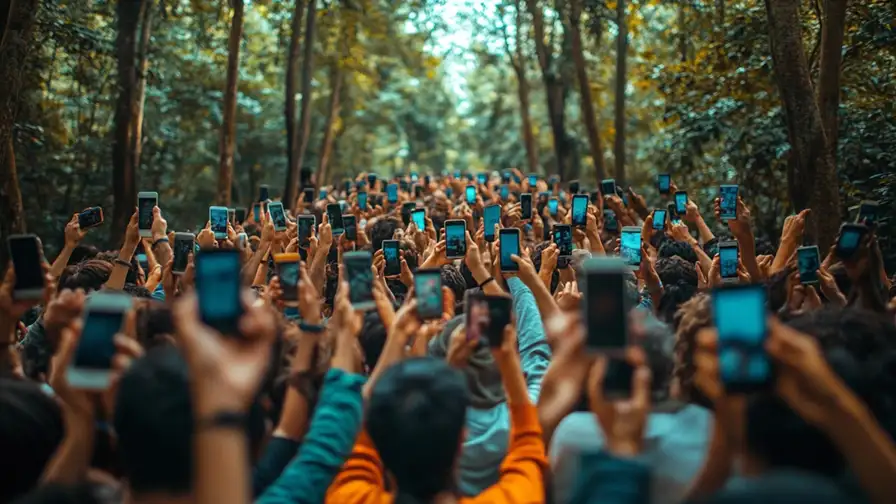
(148, 10)
(621, 83)
(594, 143)
(326, 144)
(304, 130)
(829, 72)
(292, 74)
(518, 62)
(124, 182)
(812, 179)
(228, 127)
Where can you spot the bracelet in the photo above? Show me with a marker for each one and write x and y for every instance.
(224, 420)
(311, 328)
(163, 239)
(121, 262)
(486, 282)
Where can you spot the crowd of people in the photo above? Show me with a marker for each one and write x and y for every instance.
(313, 395)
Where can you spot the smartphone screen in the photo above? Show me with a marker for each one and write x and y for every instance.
(217, 217)
(428, 289)
(618, 378)
(663, 182)
(90, 217)
(509, 244)
(288, 273)
(681, 202)
(490, 218)
(183, 246)
(610, 222)
(309, 195)
(392, 193)
(850, 237)
(418, 216)
(608, 187)
(24, 250)
(371, 180)
(630, 246)
(334, 215)
(231, 215)
(604, 304)
(481, 178)
(728, 260)
(868, 213)
(392, 257)
(144, 212)
(455, 239)
(351, 227)
(579, 210)
(322, 194)
(563, 239)
(728, 202)
(218, 286)
(526, 206)
(808, 261)
(659, 219)
(574, 187)
(533, 180)
(471, 194)
(96, 347)
(740, 317)
(306, 229)
(278, 216)
(263, 193)
(505, 192)
(486, 317)
(360, 279)
(256, 212)
(362, 200)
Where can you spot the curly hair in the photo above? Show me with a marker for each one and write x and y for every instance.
(692, 316)
(679, 279)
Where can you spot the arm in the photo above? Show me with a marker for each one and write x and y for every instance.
(535, 354)
(121, 267)
(250, 270)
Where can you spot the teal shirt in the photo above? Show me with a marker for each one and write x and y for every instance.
(334, 427)
(488, 430)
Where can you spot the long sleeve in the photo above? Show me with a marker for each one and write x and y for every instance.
(605, 479)
(535, 353)
(361, 479)
(334, 426)
(277, 454)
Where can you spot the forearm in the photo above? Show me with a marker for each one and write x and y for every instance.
(318, 269)
(703, 230)
(868, 449)
(162, 253)
(61, 261)
(393, 351)
(597, 247)
(119, 274)
(702, 257)
(716, 468)
(785, 250)
(71, 461)
(222, 471)
(251, 267)
(547, 307)
(513, 380)
(492, 288)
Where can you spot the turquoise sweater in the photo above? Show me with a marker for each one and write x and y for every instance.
(334, 427)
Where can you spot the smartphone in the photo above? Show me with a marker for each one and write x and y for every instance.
(604, 309)
(739, 313)
(471, 194)
(574, 187)
(305, 226)
(868, 211)
(334, 216)
(256, 211)
(681, 202)
(104, 314)
(481, 178)
(322, 194)
(362, 200)
(309, 195)
(278, 215)
(552, 206)
(526, 206)
(351, 227)
(243, 239)
(90, 217)
(630, 246)
(418, 217)
(579, 210)
(533, 181)
(563, 238)
(346, 185)
(664, 183)
(392, 193)
(455, 238)
(231, 216)
(392, 257)
(850, 238)
(428, 290)
(360, 279)
(728, 202)
(240, 215)
(486, 317)
(504, 192)
(406, 210)
(491, 216)
(217, 218)
(505, 176)
(610, 222)
(371, 180)
(146, 201)
(403, 185)
(218, 288)
(728, 255)
(608, 187)
(183, 247)
(659, 220)
(509, 244)
(418, 191)
(808, 259)
(264, 192)
(27, 257)
(287, 266)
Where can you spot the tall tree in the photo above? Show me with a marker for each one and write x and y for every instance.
(518, 62)
(148, 10)
(621, 84)
(292, 74)
(597, 151)
(304, 130)
(337, 81)
(228, 128)
(811, 177)
(124, 173)
(829, 72)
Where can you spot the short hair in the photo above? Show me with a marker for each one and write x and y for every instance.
(452, 278)
(154, 323)
(137, 291)
(89, 275)
(692, 316)
(81, 253)
(659, 345)
(679, 279)
(415, 418)
(765, 247)
(372, 338)
(672, 248)
(381, 230)
(31, 430)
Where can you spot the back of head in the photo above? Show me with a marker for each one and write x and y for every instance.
(89, 275)
(31, 429)
(692, 316)
(672, 248)
(679, 279)
(415, 419)
(381, 230)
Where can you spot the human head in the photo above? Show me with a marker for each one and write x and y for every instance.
(372, 338)
(416, 418)
(89, 275)
(672, 248)
(382, 229)
(692, 316)
(679, 279)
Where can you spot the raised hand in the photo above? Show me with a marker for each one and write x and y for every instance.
(73, 232)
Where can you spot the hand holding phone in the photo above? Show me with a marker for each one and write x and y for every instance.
(739, 314)
(579, 210)
(90, 217)
(146, 203)
(428, 291)
(26, 254)
(455, 238)
(360, 279)
(219, 289)
(509, 245)
(808, 261)
(486, 317)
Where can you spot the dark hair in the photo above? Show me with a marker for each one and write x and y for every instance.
(373, 338)
(777, 288)
(415, 418)
(691, 317)
(137, 291)
(452, 278)
(82, 253)
(154, 323)
(381, 230)
(672, 248)
(536, 261)
(679, 279)
(31, 429)
(89, 275)
(133, 270)
(765, 247)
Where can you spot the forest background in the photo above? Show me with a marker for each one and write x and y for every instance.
(203, 100)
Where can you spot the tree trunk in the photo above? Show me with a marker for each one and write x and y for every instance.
(228, 128)
(621, 83)
(292, 73)
(124, 183)
(597, 152)
(326, 144)
(829, 72)
(518, 60)
(140, 88)
(307, 70)
(812, 178)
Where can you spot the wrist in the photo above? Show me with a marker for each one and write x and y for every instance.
(480, 274)
(156, 236)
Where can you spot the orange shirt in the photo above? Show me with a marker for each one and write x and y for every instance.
(521, 479)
